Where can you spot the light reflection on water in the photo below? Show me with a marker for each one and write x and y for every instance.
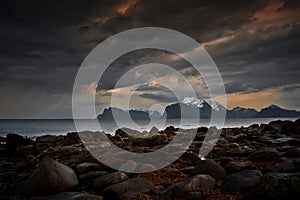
(33, 127)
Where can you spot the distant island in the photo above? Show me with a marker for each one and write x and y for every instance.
(189, 104)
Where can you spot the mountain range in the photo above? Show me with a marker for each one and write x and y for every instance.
(190, 105)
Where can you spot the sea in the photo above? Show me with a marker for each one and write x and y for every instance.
(36, 127)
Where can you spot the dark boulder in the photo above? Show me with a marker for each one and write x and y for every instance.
(189, 189)
(242, 181)
(49, 178)
(128, 189)
(209, 167)
(264, 155)
(109, 179)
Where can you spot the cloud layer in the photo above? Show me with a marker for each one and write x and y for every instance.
(255, 44)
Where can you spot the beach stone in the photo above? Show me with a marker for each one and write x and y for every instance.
(280, 185)
(264, 155)
(242, 181)
(91, 176)
(109, 179)
(191, 188)
(41, 146)
(190, 158)
(49, 139)
(209, 167)
(121, 134)
(13, 141)
(294, 152)
(284, 127)
(127, 189)
(25, 165)
(72, 138)
(154, 140)
(233, 167)
(284, 165)
(26, 149)
(86, 167)
(49, 178)
(73, 196)
(153, 131)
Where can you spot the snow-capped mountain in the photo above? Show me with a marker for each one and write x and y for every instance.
(190, 105)
(188, 108)
(216, 106)
(193, 101)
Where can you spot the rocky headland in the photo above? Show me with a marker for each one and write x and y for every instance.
(254, 162)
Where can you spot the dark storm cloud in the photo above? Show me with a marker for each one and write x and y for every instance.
(161, 97)
(44, 42)
(137, 58)
(272, 64)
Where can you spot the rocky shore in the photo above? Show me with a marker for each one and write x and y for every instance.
(255, 162)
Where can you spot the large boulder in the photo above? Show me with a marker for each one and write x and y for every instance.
(49, 178)
(109, 179)
(242, 181)
(127, 189)
(209, 167)
(189, 189)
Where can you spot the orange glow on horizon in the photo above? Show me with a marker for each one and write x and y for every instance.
(256, 100)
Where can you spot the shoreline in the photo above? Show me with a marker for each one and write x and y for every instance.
(33, 127)
(246, 163)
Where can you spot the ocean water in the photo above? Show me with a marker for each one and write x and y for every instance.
(35, 127)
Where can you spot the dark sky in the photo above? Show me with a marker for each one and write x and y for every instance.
(255, 44)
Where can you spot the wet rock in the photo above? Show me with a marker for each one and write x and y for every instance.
(45, 141)
(72, 138)
(153, 131)
(49, 139)
(154, 140)
(284, 164)
(188, 170)
(190, 158)
(73, 196)
(86, 167)
(7, 171)
(122, 134)
(209, 167)
(280, 185)
(242, 181)
(264, 155)
(109, 179)
(91, 176)
(294, 152)
(283, 127)
(49, 178)
(13, 141)
(41, 146)
(26, 149)
(25, 165)
(189, 189)
(233, 167)
(171, 129)
(127, 189)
